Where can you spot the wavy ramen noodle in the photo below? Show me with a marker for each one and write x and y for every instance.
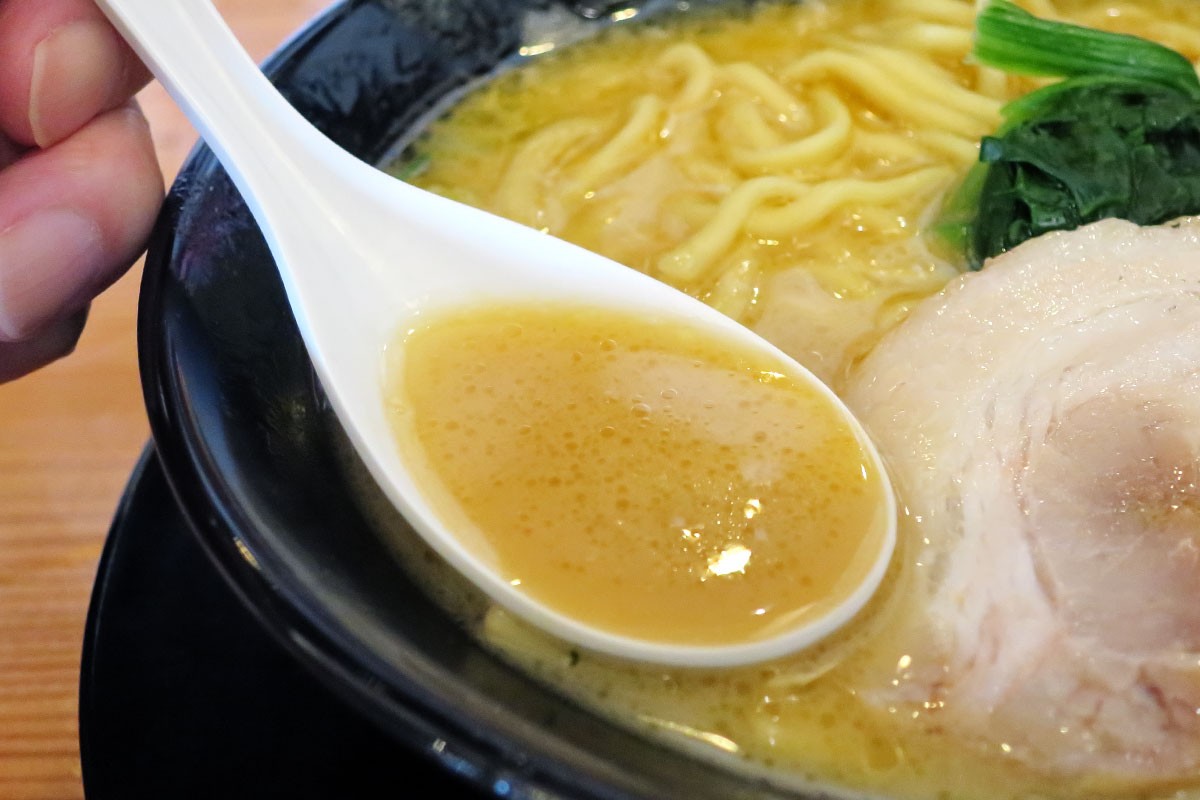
(779, 163)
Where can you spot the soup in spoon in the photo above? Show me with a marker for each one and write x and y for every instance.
(655, 481)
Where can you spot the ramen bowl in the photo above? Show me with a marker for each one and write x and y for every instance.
(263, 473)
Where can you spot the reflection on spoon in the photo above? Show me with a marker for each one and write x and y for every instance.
(364, 256)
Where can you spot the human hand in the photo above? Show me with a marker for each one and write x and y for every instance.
(80, 184)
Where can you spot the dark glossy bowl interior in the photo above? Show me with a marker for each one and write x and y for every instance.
(257, 462)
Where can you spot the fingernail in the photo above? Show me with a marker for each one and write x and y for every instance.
(76, 71)
(46, 270)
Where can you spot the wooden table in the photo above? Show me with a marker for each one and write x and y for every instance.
(69, 436)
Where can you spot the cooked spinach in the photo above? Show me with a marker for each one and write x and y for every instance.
(1119, 137)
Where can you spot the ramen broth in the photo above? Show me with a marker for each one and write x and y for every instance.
(652, 480)
(779, 163)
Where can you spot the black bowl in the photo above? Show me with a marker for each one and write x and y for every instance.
(258, 462)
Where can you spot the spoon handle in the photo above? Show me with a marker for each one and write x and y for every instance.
(197, 58)
(299, 185)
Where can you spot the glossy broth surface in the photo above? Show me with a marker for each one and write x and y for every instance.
(657, 482)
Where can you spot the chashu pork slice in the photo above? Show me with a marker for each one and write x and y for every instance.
(1041, 420)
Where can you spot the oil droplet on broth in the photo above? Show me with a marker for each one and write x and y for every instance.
(651, 480)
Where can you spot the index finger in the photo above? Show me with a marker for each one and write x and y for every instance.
(61, 65)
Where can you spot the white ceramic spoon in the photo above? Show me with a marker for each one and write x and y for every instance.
(362, 253)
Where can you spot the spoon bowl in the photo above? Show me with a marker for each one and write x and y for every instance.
(363, 255)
